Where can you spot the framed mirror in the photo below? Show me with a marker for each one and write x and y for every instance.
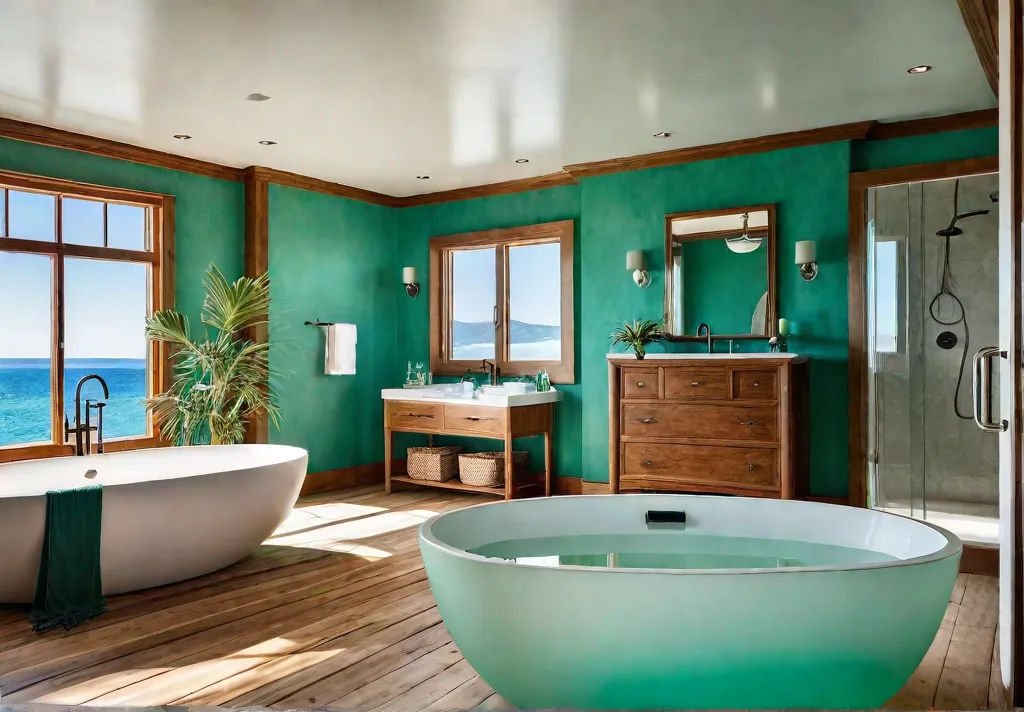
(720, 271)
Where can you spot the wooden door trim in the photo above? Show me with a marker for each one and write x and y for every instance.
(857, 290)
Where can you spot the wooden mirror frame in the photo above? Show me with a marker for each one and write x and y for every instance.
(772, 305)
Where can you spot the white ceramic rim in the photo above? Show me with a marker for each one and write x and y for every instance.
(953, 547)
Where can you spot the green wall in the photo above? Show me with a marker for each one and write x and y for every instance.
(331, 259)
(717, 281)
(209, 213)
(336, 259)
(930, 148)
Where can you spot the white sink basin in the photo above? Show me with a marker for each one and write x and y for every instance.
(495, 397)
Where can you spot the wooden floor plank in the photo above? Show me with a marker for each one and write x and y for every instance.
(335, 611)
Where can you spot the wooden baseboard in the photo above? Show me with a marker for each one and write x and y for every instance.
(575, 485)
(827, 500)
(343, 477)
(980, 560)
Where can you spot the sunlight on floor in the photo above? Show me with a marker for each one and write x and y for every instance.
(338, 537)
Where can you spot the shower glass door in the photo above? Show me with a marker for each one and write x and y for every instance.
(932, 303)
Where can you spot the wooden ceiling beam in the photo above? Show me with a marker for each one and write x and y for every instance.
(982, 20)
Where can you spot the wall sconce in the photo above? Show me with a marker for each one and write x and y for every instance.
(635, 263)
(806, 259)
(412, 287)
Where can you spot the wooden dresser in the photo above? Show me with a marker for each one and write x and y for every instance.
(734, 424)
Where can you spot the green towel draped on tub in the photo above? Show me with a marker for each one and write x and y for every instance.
(69, 589)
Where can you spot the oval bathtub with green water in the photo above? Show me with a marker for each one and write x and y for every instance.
(752, 603)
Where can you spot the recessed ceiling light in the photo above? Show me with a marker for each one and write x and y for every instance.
(182, 137)
(256, 96)
(422, 177)
(663, 134)
(268, 143)
(920, 69)
(522, 160)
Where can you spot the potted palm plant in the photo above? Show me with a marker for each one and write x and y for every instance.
(221, 381)
(637, 334)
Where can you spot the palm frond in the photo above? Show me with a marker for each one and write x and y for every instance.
(231, 307)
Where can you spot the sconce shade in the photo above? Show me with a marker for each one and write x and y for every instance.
(635, 259)
(805, 252)
(408, 275)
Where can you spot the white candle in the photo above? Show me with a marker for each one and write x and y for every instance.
(408, 275)
(783, 327)
(804, 252)
(635, 259)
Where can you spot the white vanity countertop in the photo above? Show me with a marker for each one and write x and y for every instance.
(511, 400)
(705, 357)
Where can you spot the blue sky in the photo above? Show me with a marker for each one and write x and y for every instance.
(105, 302)
(534, 284)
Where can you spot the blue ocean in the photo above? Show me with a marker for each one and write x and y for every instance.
(25, 396)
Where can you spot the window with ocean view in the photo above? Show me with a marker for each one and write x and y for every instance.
(505, 296)
(79, 274)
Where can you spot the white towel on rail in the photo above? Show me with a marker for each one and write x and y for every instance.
(340, 357)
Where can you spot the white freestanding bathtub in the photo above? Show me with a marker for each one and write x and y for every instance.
(168, 513)
(730, 631)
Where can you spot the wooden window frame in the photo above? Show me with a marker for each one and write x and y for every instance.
(160, 257)
(441, 250)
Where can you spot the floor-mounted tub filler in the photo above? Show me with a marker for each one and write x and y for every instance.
(168, 513)
(601, 602)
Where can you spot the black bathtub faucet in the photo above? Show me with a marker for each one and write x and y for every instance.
(87, 427)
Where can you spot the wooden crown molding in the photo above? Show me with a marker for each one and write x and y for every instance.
(58, 138)
(981, 119)
(774, 142)
(569, 175)
(317, 185)
(520, 185)
(982, 20)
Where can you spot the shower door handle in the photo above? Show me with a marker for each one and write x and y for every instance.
(981, 383)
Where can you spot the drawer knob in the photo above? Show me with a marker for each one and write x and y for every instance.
(646, 463)
(648, 421)
(750, 468)
(749, 423)
(693, 384)
(641, 384)
(417, 415)
(757, 384)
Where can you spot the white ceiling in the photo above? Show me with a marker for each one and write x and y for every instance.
(372, 93)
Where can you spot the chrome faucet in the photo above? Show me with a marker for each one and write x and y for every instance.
(707, 333)
(493, 372)
(86, 428)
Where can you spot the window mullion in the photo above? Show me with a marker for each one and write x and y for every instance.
(501, 328)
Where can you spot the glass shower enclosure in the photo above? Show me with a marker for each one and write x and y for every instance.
(933, 304)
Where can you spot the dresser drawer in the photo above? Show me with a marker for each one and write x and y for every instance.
(639, 384)
(411, 414)
(701, 422)
(703, 464)
(754, 385)
(475, 419)
(696, 383)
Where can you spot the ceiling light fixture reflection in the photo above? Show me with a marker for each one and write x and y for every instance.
(268, 143)
(522, 160)
(663, 134)
(182, 137)
(920, 69)
(256, 96)
(744, 243)
(422, 177)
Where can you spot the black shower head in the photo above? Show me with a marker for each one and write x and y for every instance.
(953, 230)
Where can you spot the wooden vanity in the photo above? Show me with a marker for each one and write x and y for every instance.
(727, 423)
(519, 417)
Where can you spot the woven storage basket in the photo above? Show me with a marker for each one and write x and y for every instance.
(487, 469)
(433, 464)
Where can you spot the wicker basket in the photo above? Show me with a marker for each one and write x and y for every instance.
(433, 464)
(487, 469)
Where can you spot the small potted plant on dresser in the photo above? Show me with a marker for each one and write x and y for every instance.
(637, 334)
